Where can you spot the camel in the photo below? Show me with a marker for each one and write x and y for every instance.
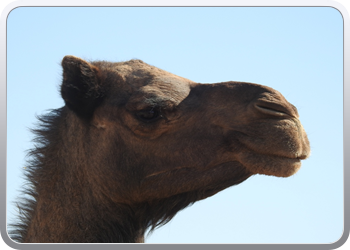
(134, 144)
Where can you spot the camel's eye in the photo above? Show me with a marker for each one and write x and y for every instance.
(149, 115)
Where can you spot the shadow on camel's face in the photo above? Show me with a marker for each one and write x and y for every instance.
(168, 135)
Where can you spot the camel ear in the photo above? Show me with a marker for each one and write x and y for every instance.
(81, 87)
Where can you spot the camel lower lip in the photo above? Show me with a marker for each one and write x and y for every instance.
(287, 159)
(274, 165)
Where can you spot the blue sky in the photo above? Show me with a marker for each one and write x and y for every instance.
(296, 50)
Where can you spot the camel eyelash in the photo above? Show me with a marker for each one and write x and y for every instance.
(149, 115)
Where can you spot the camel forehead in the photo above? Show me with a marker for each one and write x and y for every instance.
(139, 74)
(146, 81)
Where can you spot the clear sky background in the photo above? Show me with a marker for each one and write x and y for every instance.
(296, 50)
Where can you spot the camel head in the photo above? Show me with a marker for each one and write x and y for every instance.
(151, 135)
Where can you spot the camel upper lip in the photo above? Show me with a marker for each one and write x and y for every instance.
(302, 155)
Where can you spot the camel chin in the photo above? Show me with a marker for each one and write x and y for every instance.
(271, 165)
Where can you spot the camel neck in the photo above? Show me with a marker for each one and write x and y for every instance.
(86, 223)
(63, 205)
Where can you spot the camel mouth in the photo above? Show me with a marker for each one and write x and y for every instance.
(303, 156)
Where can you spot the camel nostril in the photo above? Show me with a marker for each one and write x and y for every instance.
(273, 109)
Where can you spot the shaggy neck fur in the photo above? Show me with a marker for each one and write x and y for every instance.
(62, 205)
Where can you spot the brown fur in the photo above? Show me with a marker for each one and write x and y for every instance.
(135, 144)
